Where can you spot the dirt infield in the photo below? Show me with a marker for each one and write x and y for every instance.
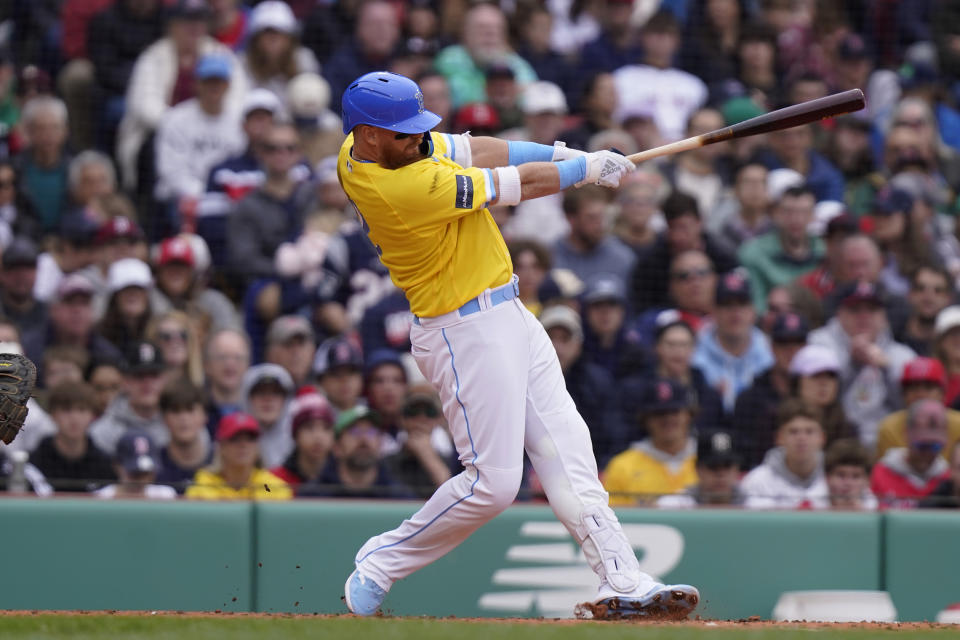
(696, 622)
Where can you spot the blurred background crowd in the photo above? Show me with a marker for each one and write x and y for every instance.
(766, 323)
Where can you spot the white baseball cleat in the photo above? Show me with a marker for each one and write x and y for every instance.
(657, 602)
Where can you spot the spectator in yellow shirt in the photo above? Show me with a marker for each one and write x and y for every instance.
(665, 461)
(236, 473)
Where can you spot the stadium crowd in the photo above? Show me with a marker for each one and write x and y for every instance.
(768, 323)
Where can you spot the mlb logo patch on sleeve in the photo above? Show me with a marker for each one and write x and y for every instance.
(464, 192)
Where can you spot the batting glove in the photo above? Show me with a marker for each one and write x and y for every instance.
(606, 169)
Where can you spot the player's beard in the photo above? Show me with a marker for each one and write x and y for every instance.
(397, 158)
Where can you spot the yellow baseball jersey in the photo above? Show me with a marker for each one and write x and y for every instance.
(430, 225)
(644, 470)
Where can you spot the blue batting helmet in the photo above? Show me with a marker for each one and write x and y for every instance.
(386, 100)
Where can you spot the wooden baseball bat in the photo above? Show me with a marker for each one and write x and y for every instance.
(792, 116)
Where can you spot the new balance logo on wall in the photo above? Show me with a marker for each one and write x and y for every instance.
(556, 575)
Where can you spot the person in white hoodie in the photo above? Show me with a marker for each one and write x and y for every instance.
(792, 474)
(162, 77)
(196, 135)
(267, 391)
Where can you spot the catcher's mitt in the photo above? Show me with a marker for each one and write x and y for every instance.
(18, 376)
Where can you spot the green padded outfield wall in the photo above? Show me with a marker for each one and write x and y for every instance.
(96, 554)
(525, 564)
(88, 554)
(922, 561)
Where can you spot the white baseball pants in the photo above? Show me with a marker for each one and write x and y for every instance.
(502, 391)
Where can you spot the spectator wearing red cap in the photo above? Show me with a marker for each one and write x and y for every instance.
(905, 474)
(338, 368)
(180, 285)
(311, 421)
(871, 361)
(923, 379)
(236, 473)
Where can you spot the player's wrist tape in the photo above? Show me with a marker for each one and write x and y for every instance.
(509, 185)
(519, 151)
(571, 171)
(462, 152)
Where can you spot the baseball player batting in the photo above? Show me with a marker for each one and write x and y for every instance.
(422, 198)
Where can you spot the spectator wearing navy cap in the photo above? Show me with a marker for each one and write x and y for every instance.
(664, 462)
(931, 291)
(604, 327)
(902, 243)
(17, 279)
(71, 322)
(871, 361)
(754, 414)
(731, 351)
(71, 250)
(385, 387)
(821, 281)
(137, 463)
(338, 368)
(718, 475)
(311, 420)
(138, 405)
(923, 379)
